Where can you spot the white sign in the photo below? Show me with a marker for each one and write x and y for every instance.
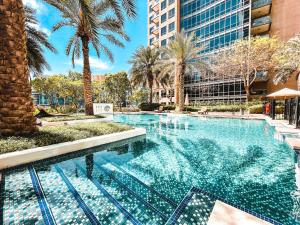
(101, 108)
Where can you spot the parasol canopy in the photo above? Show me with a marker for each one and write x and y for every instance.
(283, 93)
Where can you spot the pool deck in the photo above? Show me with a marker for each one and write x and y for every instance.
(224, 214)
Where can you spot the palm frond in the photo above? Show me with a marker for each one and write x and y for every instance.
(36, 40)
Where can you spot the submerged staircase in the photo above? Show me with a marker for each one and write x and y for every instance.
(95, 193)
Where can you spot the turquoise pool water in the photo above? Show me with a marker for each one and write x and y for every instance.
(144, 181)
(238, 160)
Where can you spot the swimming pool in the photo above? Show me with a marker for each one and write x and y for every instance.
(144, 181)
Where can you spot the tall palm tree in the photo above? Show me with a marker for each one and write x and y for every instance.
(144, 67)
(180, 57)
(36, 40)
(92, 20)
(16, 107)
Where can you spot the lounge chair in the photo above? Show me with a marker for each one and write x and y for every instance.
(160, 109)
(203, 111)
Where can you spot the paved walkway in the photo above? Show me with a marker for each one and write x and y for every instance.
(224, 214)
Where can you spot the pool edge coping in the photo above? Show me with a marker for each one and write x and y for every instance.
(13, 159)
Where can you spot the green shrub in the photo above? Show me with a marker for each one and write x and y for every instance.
(60, 118)
(169, 107)
(36, 111)
(57, 134)
(227, 108)
(256, 109)
(149, 107)
(279, 109)
(128, 109)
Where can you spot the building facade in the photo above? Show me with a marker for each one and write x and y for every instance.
(219, 23)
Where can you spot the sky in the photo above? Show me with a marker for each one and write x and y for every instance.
(61, 64)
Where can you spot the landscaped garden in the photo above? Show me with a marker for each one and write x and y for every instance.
(50, 135)
(184, 166)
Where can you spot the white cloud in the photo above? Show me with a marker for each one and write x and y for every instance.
(35, 4)
(95, 63)
(39, 27)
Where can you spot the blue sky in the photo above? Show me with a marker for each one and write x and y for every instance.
(60, 63)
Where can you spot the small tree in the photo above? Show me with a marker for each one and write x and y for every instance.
(245, 58)
(47, 86)
(144, 65)
(287, 60)
(99, 91)
(75, 92)
(139, 96)
(117, 87)
(180, 57)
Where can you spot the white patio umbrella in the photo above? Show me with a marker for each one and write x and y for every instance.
(284, 93)
(186, 101)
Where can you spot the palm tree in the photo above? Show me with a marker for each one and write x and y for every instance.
(144, 68)
(36, 40)
(180, 57)
(16, 107)
(93, 19)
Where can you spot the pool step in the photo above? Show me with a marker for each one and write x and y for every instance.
(198, 205)
(158, 200)
(17, 198)
(135, 204)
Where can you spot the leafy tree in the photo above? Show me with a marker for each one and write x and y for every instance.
(139, 96)
(99, 92)
(72, 75)
(75, 92)
(50, 86)
(287, 60)
(36, 40)
(117, 87)
(245, 59)
(145, 63)
(93, 20)
(180, 57)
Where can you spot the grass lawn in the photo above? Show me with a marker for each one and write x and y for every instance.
(60, 118)
(57, 134)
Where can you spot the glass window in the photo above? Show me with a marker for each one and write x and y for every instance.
(171, 13)
(163, 5)
(171, 26)
(171, 2)
(163, 30)
(163, 42)
(163, 18)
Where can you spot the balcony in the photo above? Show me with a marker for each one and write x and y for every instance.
(155, 43)
(261, 25)
(155, 8)
(155, 20)
(155, 31)
(261, 8)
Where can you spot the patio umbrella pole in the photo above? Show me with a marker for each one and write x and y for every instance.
(297, 112)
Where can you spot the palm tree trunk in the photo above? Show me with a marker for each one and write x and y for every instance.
(177, 85)
(180, 88)
(87, 78)
(150, 82)
(16, 106)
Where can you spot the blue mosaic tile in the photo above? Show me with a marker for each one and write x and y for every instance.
(64, 206)
(108, 213)
(20, 201)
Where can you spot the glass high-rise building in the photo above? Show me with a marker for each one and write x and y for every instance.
(218, 23)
